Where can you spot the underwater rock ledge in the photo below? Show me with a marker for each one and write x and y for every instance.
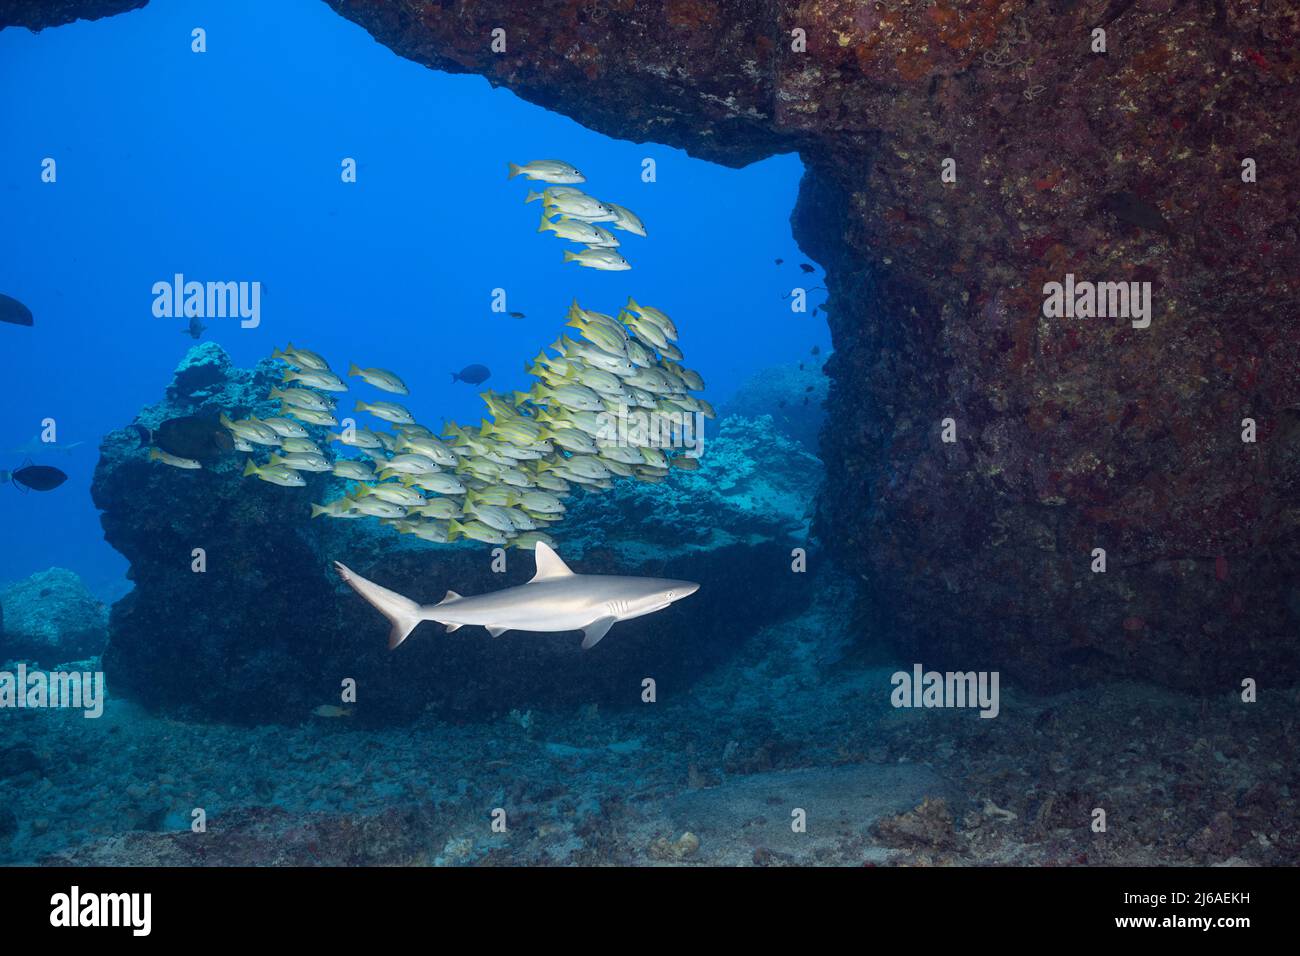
(1071, 434)
(268, 633)
(36, 15)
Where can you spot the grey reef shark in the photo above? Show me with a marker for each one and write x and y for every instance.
(556, 599)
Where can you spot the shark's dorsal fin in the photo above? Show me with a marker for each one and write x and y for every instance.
(449, 596)
(593, 632)
(549, 564)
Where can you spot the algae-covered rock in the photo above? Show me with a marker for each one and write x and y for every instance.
(51, 618)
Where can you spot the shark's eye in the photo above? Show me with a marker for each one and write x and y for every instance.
(669, 595)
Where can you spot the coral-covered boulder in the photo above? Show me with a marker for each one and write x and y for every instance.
(50, 618)
(266, 631)
(752, 484)
(794, 396)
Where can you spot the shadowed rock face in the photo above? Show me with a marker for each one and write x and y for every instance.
(1071, 434)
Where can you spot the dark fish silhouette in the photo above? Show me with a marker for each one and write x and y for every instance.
(190, 436)
(816, 350)
(14, 312)
(806, 268)
(196, 328)
(779, 261)
(516, 315)
(35, 477)
(472, 375)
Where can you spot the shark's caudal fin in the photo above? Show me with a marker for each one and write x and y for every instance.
(402, 612)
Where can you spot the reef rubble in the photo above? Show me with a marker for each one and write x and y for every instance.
(711, 777)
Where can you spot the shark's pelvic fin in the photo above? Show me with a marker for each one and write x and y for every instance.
(402, 612)
(549, 564)
(497, 631)
(449, 596)
(593, 632)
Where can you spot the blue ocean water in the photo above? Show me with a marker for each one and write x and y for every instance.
(226, 166)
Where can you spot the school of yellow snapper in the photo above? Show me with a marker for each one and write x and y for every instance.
(573, 215)
(505, 480)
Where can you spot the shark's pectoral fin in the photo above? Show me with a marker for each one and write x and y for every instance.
(593, 632)
(497, 631)
(453, 627)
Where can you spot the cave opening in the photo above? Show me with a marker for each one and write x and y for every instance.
(370, 208)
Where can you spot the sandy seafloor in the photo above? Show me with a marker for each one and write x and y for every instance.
(711, 778)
